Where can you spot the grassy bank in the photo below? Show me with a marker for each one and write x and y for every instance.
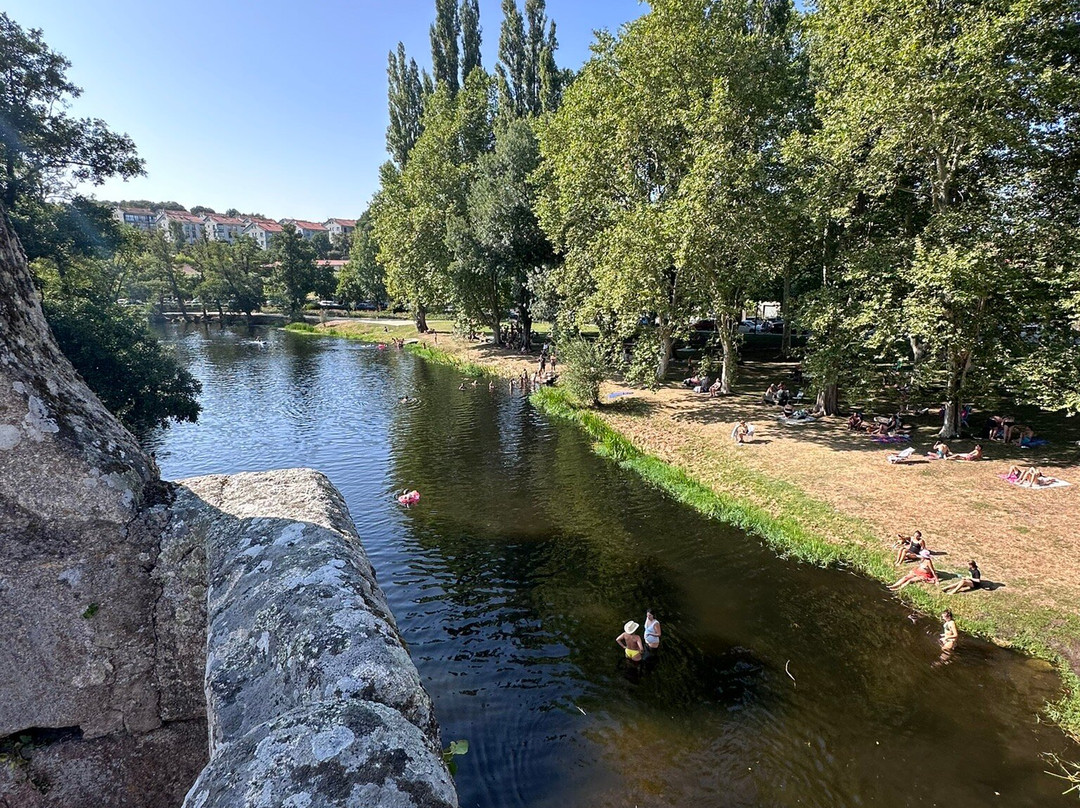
(813, 532)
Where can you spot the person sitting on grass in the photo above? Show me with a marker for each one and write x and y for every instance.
(855, 422)
(974, 454)
(973, 581)
(1022, 434)
(770, 395)
(909, 547)
(714, 388)
(783, 395)
(693, 381)
(923, 573)
(743, 432)
(941, 449)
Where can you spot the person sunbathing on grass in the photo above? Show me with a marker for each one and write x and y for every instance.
(941, 449)
(909, 547)
(923, 573)
(973, 581)
(1030, 476)
(974, 454)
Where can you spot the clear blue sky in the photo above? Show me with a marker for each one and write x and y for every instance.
(262, 105)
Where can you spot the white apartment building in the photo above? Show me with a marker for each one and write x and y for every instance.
(262, 230)
(191, 225)
(142, 218)
(306, 229)
(340, 227)
(222, 228)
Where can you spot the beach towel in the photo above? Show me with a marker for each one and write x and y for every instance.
(900, 457)
(890, 438)
(619, 393)
(795, 421)
(1027, 444)
(1048, 482)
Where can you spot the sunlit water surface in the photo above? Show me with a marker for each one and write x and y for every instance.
(777, 683)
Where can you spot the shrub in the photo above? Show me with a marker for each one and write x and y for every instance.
(583, 369)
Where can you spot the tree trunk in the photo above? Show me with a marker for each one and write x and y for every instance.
(420, 316)
(176, 294)
(950, 423)
(727, 365)
(785, 340)
(667, 343)
(828, 398)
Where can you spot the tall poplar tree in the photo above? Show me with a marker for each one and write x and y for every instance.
(529, 83)
(444, 44)
(405, 99)
(470, 37)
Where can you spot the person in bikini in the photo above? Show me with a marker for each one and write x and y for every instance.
(631, 642)
(909, 547)
(949, 634)
(925, 573)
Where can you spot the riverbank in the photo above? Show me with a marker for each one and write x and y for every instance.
(822, 494)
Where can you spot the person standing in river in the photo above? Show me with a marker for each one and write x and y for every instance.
(631, 642)
(652, 630)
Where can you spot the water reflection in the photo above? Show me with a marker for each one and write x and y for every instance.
(527, 553)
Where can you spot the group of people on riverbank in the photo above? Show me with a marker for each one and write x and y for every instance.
(913, 549)
(636, 648)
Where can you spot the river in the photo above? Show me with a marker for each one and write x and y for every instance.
(777, 683)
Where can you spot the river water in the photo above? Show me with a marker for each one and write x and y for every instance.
(777, 684)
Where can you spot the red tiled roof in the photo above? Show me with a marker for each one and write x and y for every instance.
(344, 222)
(333, 263)
(219, 219)
(265, 224)
(302, 225)
(181, 216)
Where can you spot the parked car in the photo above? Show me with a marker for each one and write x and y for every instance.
(330, 304)
(751, 325)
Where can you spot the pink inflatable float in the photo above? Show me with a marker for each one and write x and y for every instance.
(409, 498)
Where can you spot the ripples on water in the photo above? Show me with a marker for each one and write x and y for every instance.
(526, 554)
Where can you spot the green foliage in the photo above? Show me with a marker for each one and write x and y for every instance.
(363, 278)
(584, 368)
(90, 611)
(444, 45)
(666, 173)
(136, 377)
(43, 150)
(405, 98)
(294, 273)
(937, 123)
(452, 752)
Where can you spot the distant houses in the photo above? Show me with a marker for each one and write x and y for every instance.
(222, 228)
(188, 225)
(340, 227)
(216, 227)
(307, 230)
(262, 230)
(141, 218)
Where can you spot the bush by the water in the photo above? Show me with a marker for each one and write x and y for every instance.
(135, 376)
(583, 369)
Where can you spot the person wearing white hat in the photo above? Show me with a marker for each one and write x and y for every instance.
(631, 642)
(924, 572)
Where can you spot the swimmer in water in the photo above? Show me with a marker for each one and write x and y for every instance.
(631, 642)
